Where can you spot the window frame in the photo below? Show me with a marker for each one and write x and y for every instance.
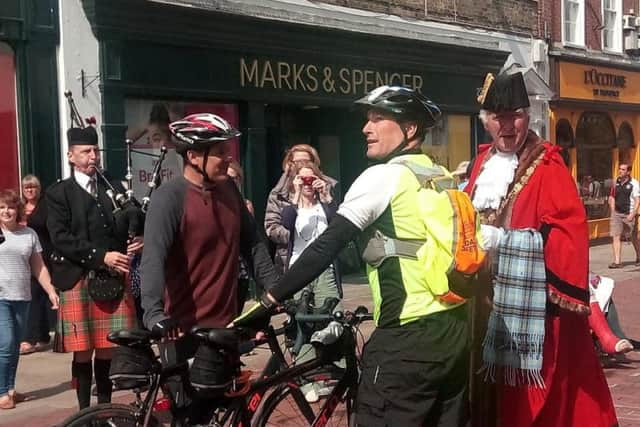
(617, 29)
(579, 36)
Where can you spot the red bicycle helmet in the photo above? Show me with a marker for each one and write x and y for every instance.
(202, 130)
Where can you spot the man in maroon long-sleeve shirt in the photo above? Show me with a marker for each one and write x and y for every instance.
(196, 228)
(198, 225)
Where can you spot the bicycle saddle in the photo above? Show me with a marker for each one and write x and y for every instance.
(220, 337)
(130, 337)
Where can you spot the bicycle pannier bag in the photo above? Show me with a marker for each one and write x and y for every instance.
(130, 366)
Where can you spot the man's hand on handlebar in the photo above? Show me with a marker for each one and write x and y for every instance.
(257, 316)
(168, 329)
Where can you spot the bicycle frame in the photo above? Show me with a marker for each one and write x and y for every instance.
(345, 387)
(240, 410)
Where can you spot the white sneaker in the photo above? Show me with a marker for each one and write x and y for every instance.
(325, 391)
(310, 393)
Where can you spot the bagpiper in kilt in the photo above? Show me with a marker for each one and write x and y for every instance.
(88, 265)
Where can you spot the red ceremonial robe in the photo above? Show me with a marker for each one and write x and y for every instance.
(576, 392)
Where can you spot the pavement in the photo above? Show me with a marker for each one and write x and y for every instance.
(44, 376)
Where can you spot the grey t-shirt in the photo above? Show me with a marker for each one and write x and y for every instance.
(15, 269)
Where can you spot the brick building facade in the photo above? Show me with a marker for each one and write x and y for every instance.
(595, 72)
(287, 71)
(515, 16)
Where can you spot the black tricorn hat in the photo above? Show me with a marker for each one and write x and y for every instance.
(504, 93)
(82, 136)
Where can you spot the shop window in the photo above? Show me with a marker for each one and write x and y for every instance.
(148, 128)
(625, 144)
(595, 141)
(9, 178)
(435, 143)
(573, 22)
(564, 139)
(611, 20)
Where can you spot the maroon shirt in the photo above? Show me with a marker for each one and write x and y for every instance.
(190, 258)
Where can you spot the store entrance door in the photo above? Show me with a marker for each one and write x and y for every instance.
(595, 139)
(334, 132)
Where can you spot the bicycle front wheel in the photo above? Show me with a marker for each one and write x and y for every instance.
(107, 415)
(287, 406)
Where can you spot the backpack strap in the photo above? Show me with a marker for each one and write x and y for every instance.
(434, 177)
(379, 247)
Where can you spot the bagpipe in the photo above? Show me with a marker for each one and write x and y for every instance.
(128, 212)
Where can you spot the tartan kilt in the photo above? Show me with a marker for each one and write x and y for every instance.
(83, 324)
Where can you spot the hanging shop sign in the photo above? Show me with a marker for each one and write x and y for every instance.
(595, 83)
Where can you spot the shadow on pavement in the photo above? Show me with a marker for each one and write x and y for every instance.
(49, 391)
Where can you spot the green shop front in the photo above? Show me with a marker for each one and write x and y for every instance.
(281, 83)
(29, 141)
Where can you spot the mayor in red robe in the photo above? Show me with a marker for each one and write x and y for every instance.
(529, 186)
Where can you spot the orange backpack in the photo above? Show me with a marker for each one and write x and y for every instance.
(451, 252)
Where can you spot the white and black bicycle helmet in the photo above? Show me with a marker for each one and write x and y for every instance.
(201, 131)
(404, 103)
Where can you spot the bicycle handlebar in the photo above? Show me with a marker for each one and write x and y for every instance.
(348, 318)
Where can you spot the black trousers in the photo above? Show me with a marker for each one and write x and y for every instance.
(41, 318)
(417, 375)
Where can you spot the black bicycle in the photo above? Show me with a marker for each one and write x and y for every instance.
(286, 405)
(244, 403)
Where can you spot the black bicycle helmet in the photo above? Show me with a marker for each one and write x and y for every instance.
(403, 103)
(201, 131)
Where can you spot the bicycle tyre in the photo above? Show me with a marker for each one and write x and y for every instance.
(287, 406)
(106, 415)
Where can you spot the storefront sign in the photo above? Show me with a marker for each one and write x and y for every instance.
(319, 78)
(298, 78)
(596, 83)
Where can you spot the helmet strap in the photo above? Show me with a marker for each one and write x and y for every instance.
(205, 177)
(202, 170)
(400, 149)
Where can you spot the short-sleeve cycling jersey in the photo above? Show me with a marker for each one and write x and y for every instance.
(384, 197)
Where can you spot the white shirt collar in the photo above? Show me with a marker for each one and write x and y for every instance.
(83, 180)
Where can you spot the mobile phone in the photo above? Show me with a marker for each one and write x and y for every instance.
(307, 180)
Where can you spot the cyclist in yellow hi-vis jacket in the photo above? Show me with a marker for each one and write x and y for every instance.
(415, 365)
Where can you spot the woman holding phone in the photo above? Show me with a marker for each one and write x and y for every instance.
(306, 218)
(281, 195)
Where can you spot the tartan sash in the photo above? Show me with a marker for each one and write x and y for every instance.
(515, 333)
